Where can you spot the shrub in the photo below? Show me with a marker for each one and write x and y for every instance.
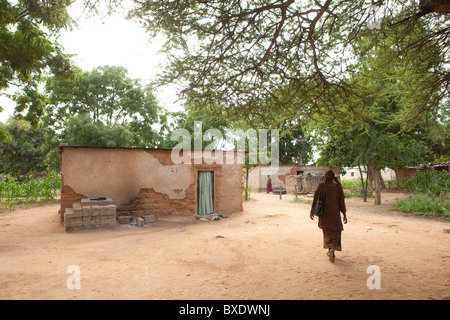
(424, 205)
(434, 183)
(243, 192)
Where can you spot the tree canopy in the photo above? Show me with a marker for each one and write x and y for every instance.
(243, 54)
(28, 32)
(361, 76)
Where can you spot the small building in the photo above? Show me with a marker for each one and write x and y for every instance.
(147, 182)
(411, 171)
(287, 176)
(353, 174)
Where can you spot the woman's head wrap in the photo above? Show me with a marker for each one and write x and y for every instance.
(329, 175)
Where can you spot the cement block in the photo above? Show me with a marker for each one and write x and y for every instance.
(72, 214)
(71, 220)
(89, 224)
(105, 202)
(149, 218)
(87, 202)
(140, 222)
(124, 219)
(73, 224)
(104, 207)
(86, 210)
(87, 213)
(107, 211)
(110, 216)
(95, 213)
(78, 210)
(107, 223)
(95, 210)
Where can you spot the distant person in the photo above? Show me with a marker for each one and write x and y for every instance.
(269, 185)
(330, 220)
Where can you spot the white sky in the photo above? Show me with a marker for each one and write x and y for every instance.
(111, 40)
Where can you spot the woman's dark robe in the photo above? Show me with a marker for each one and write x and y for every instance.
(330, 221)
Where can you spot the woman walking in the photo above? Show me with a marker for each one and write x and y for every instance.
(269, 185)
(330, 220)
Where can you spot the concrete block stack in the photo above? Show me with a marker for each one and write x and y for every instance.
(90, 214)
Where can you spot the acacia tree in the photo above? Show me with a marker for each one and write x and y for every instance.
(378, 127)
(374, 149)
(246, 51)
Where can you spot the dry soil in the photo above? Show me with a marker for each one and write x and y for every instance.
(271, 250)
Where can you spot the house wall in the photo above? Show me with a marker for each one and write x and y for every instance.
(411, 171)
(144, 181)
(258, 178)
(387, 174)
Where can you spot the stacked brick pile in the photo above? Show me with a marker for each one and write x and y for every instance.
(89, 214)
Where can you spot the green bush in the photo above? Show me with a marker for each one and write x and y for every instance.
(424, 205)
(432, 182)
(243, 193)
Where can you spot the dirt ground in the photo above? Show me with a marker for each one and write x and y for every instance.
(271, 250)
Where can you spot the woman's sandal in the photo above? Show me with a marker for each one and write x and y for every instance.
(331, 255)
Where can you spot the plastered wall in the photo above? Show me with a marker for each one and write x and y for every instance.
(144, 181)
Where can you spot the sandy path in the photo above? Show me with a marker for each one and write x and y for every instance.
(272, 250)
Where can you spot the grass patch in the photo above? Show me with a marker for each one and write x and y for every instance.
(300, 200)
(424, 205)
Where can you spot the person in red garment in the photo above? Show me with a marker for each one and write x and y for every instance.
(330, 220)
(269, 185)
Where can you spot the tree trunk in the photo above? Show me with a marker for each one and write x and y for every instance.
(246, 183)
(364, 189)
(380, 176)
(373, 170)
(369, 179)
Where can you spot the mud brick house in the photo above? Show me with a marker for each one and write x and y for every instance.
(411, 171)
(146, 181)
(306, 177)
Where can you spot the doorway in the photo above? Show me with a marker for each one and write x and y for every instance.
(205, 192)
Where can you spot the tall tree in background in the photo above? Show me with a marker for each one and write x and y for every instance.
(22, 152)
(108, 97)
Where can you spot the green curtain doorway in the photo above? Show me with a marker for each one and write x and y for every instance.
(205, 192)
